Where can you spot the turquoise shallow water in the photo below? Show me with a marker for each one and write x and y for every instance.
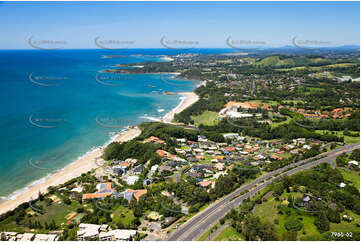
(54, 107)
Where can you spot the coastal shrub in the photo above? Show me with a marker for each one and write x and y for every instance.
(131, 149)
(165, 131)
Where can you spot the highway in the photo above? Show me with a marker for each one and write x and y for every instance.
(201, 222)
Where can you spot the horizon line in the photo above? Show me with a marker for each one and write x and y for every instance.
(189, 49)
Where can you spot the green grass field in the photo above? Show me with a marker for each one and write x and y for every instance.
(347, 139)
(275, 124)
(263, 102)
(351, 140)
(268, 211)
(56, 212)
(345, 226)
(123, 216)
(351, 176)
(229, 234)
(293, 101)
(206, 118)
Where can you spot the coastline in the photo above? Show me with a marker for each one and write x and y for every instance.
(188, 98)
(86, 162)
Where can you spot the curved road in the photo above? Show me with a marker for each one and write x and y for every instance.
(204, 220)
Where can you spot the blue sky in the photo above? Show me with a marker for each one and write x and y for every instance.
(208, 23)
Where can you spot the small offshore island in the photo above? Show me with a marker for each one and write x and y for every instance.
(266, 148)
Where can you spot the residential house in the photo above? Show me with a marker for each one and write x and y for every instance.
(27, 237)
(117, 235)
(131, 180)
(154, 216)
(10, 236)
(125, 166)
(138, 170)
(202, 138)
(165, 168)
(353, 162)
(154, 140)
(219, 166)
(154, 169)
(231, 136)
(46, 237)
(169, 220)
(104, 190)
(162, 153)
(181, 140)
(131, 161)
(88, 231)
(205, 184)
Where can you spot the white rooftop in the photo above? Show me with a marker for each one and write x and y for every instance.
(27, 237)
(88, 230)
(46, 237)
(353, 162)
(118, 234)
(131, 180)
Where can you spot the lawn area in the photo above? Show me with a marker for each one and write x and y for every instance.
(275, 124)
(351, 176)
(123, 216)
(267, 210)
(309, 90)
(315, 89)
(309, 229)
(206, 118)
(345, 226)
(285, 155)
(186, 148)
(292, 68)
(293, 101)
(229, 234)
(351, 140)
(56, 212)
(347, 139)
(293, 194)
(262, 102)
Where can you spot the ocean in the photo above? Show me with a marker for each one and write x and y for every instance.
(57, 105)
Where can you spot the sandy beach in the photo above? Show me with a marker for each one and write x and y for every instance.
(189, 99)
(87, 162)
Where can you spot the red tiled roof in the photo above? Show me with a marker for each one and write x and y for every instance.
(205, 183)
(230, 149)
(126, 164)
(154, 139)
(161, 153)
(96, 195)
(139, 193)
